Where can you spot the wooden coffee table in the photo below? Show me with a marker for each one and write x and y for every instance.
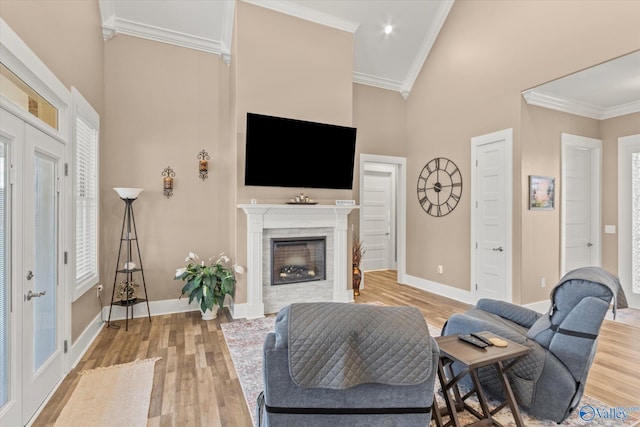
(471, 357)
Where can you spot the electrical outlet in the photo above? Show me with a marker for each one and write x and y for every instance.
(440, 269)
(543, 282)
(99, 289)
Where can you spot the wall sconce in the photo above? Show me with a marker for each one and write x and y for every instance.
(168, 174)
(203, 164)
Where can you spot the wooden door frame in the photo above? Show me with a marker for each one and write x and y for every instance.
(504, 136)
(595, 148)
(400, 164)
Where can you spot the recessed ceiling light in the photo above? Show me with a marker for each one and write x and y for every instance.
(388, 29)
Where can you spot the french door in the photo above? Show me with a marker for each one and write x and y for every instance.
(31, 316)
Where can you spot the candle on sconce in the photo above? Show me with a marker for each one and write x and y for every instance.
(167, 181)
(203, 165)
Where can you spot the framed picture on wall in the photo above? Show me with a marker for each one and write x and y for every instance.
(542, 193)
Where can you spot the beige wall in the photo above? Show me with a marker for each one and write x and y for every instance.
(470, 85)
(66, 36)
(161, 109)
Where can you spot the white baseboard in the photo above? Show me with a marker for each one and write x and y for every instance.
(440, 289)
(540, 306)
(157, 308)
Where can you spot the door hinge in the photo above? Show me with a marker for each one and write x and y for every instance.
(66, 346)
(476, 245)
(66, 169)
(476, 286)
(12, 175)
(66, 257)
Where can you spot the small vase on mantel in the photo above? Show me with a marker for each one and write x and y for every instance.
(210, 314)
(357, 277)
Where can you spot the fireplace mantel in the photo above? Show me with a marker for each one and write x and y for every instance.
(275, 216)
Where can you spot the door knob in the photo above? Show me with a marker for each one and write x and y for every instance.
(29, 275)
(589, 244)
(31, 294)
(498, 249)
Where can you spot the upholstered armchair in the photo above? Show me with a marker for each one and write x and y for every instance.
(339, 364)
(549, 381)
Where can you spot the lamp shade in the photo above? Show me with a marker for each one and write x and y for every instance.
(128, 193)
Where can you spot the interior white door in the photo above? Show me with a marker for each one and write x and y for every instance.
(580, 202)
(629, 217)
(42, 343)
(378, 218)
(491, 191)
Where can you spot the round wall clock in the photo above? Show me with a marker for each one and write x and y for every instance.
(439, 187)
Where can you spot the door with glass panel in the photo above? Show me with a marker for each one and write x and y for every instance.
(629, 217)
(31, 359)
(42, 344)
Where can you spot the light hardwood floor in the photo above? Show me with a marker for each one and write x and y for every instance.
(195, 383)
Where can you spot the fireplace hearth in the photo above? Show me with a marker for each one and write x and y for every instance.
(296, 260)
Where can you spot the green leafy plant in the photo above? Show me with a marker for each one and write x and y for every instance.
(208, 283)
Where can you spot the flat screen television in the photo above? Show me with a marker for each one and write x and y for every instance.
(284, 152)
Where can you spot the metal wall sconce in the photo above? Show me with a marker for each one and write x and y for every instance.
(203, 164)
(168, 174)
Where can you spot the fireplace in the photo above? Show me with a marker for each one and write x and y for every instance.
(296, 260)
(266, 222)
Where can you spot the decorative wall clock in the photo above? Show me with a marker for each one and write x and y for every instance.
(439, 187)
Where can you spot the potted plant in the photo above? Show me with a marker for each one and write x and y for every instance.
(208, 284)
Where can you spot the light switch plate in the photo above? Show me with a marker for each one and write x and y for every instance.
(610, 229)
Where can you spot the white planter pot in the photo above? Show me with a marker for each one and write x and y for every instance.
(210, 314)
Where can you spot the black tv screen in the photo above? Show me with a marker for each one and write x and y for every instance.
(284, 152)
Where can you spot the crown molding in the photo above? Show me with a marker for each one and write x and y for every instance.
(303, 12)
(228, 13)
(425, 47)
(369, 80)
(122, 26)
(578, 108)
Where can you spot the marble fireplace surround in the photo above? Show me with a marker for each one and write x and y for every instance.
(261, 217)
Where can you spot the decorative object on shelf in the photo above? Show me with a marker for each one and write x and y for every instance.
(302, 199)
(125, 296)
(208, 284)
(439, 187)
(168, 174)
(126, 292)
(542, 191)
(358, 253)
(203, 164)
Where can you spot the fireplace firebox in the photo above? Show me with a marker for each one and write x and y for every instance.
(295, 260)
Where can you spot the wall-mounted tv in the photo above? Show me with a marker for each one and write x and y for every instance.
(284, 152)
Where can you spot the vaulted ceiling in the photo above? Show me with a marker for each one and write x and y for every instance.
(386, 60)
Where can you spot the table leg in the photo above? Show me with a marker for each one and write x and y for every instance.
(480, 394)
(451, 406)
(509, 395)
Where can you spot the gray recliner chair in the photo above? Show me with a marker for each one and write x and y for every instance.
(549, 381)
(339, 364)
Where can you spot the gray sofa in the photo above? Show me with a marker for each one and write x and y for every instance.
(339, 364)
(549, 381)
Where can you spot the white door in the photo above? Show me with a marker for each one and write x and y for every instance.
(580, 202)
(377, 231)
(491, 215)
(629, 217)
(36, 356)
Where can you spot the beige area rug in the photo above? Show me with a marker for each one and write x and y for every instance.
(116, 395)
(246, 338)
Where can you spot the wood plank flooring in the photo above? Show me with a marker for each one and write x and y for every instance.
(195, 383)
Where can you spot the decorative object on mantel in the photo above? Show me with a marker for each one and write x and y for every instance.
(301, 199)
(208, 284)
(123, 294)
(358, 253)
(203, 164)
(345, 202)
(168, 174)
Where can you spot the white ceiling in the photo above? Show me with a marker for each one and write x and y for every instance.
(388, 61)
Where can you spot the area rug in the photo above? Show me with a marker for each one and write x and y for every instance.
(246, 338)
(116, 395)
